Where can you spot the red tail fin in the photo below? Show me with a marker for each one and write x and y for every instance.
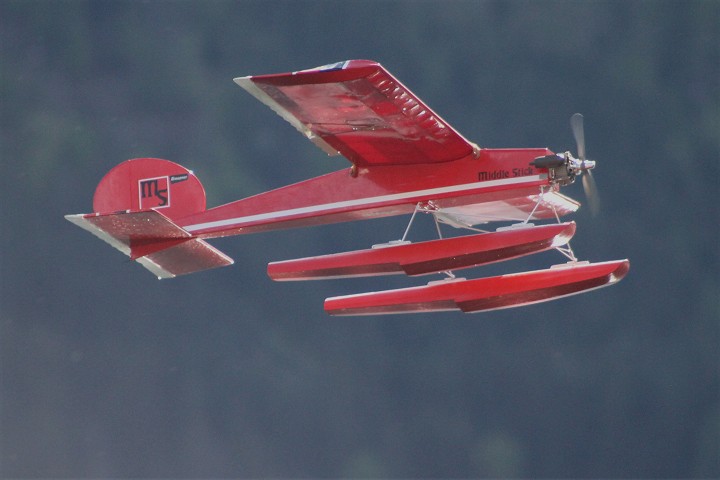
(135, 205)
(150, 183)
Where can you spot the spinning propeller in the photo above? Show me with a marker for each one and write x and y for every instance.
(586, 166)
(564, 167)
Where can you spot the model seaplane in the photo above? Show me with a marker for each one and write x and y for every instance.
(404, 160)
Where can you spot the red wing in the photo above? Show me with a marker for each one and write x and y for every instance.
(358, 109)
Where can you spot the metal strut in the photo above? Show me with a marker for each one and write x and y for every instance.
(437, 227)
(566, 249)
(412, 218)
(537, 204)
(418, 208)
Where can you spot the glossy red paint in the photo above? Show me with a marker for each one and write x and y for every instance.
(150, 183)
(359, 110)
(483, 294)
(386, 191)
(426, 257)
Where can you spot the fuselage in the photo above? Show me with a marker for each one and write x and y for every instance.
(491, 185)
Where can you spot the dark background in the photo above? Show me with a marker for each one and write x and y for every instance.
(107, 372)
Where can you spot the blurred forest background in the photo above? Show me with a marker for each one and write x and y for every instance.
(107, 372)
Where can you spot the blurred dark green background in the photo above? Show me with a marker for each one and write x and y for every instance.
(107, 372)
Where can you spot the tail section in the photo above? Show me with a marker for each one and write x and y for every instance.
(150, 183)
(135, 204)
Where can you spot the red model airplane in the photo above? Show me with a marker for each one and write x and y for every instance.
(404, 159)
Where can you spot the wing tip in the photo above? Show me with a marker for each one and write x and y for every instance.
(329, 67)
(242, 81)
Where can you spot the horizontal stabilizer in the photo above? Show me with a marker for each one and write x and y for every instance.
(427, 257)
(484, 294)
(154, 241)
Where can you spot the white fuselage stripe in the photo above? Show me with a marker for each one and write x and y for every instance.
(368, 201)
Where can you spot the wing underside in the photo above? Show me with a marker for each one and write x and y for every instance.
(359, 110)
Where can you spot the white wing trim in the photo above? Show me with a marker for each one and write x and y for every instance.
(248, 84)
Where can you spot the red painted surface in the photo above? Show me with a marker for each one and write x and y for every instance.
(364, 113)
(484, 293)
(145, 183)
(190, 256)
(426, 257)
(384, 191)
